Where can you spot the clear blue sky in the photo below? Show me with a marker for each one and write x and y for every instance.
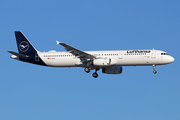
(31, 92)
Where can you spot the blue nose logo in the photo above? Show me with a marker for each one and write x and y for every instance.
(23, 46)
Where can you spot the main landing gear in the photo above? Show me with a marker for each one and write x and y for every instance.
(87, 70)
(154, 71)
(95, 75)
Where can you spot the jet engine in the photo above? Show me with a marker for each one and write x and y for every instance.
(112, 70)
(104, 62)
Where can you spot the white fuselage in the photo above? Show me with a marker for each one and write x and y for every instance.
(122, 58)
(110, 62)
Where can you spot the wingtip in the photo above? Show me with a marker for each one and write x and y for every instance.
(57, 42)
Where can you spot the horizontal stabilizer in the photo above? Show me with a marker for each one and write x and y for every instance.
(18, 55)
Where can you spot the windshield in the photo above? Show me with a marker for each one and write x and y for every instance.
(164, 54)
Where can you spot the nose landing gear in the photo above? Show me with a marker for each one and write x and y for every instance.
(154, 69)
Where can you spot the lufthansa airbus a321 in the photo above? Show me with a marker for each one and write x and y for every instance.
(110, 62)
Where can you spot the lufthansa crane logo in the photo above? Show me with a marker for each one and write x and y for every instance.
(23, 46)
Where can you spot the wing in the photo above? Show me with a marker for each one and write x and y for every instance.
(78, 53)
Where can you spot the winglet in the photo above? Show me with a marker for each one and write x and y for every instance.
(57, 42)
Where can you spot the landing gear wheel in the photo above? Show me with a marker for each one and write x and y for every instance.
(95, 75)
(87, 70)
(154, 71)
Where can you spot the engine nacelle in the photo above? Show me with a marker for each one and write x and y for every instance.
(112, 70)
(104, 62)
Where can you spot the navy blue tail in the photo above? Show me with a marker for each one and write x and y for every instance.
(23, 44)
(26, 48)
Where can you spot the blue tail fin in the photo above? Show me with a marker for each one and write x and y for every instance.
(23, 44)
(27, 52)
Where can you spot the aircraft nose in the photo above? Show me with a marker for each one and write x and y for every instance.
(171, 59)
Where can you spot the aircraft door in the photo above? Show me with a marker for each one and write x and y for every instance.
(153, 54)
(36, 57)
(120, 56)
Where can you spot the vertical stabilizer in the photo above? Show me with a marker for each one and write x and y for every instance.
(27, 52)
(23, 44)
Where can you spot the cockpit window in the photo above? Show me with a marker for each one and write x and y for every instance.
(164, 54)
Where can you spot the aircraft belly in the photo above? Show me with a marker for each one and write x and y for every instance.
(58, 62)
(137, 61)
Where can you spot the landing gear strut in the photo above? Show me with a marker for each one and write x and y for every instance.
(154, 69)
(95, 75)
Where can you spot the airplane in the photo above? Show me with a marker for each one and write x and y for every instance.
(110, 62)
